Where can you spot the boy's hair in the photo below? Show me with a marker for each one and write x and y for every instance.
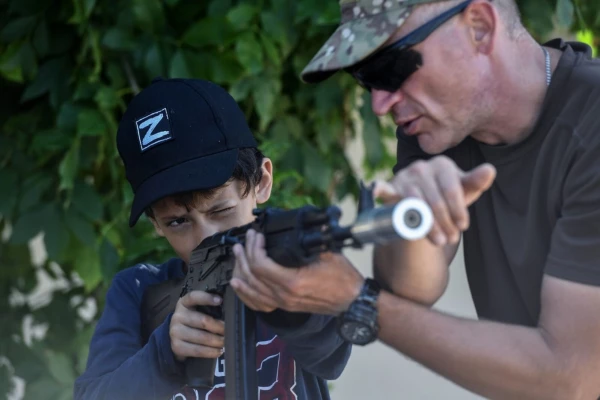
(247, 170)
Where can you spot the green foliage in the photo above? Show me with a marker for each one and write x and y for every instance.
(69, 68)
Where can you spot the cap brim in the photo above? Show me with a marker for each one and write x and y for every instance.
(352, 42)
(198, 174)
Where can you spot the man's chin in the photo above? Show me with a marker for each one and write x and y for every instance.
(429, 145)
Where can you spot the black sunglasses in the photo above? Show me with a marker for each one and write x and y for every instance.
(390, 67)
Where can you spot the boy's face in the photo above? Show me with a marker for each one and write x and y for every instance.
(184, 230)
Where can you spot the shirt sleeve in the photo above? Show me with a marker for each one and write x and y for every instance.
(575, 244)
(119, 366)
(313, 340)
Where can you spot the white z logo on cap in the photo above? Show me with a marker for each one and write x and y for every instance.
(153, 129)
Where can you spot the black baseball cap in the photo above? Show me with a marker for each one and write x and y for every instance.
(180, 135)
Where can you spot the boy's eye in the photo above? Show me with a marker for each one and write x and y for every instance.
(176, 222)
(223, 210)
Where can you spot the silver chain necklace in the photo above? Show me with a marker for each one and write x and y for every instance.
(548, 72)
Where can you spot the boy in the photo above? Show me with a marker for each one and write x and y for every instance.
(194, 168)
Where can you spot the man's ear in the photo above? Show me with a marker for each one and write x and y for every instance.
(482, 19)
(263, 189)
(157, 227)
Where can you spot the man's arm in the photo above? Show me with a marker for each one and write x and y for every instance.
(119, 367)
(560, 359)
(418, 270)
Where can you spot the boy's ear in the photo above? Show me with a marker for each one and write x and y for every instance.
(157, 227)
(263, 189)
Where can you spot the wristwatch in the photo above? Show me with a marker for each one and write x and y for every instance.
(359, 325)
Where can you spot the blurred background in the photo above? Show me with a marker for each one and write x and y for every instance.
(68, 70)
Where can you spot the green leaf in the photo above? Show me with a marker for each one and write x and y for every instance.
(67, 168)
(46, 78)
(88, 266)
(33, 189)
(265, 96)
(564, 13)
(317, 171)
(274, 27)
(88, 7)
(81, 228)
(17, 28)
(60, 367)
(67, 116)
(45, 388)
(56, 234)
(225, 68)
(249, 53)
(28, 61)
(87, 201)
(371, 137)
(27, 226)
(8, 188)
(241, 15)
(153, 61)
(149, 14)
(219, 7)
(179, 68)
(109, 260)
(241, 88)
(10, 63)
(41, 41)
(209, 31)
(90, 123)
(270, 50)
(118, 39)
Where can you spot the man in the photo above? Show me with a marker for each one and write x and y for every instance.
(499, 135)
(194, 168)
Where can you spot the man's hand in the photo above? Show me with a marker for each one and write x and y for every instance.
(327, 286)
(447, 189)
(194, 334)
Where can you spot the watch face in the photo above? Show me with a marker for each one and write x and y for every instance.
(356, 332)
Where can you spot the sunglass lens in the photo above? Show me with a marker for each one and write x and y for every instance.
(388, 71)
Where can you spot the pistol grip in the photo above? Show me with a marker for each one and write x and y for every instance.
(200, 372)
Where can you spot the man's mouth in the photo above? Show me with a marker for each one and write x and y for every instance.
(410, 126)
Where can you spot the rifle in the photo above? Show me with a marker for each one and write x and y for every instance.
(294, 238)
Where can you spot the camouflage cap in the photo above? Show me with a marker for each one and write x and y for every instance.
(365, 26)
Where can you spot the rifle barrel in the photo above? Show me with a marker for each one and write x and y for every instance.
(409, 219)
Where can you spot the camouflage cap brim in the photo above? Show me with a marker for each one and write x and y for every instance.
(353, 41)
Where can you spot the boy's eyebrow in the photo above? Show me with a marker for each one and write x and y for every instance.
(216, 206)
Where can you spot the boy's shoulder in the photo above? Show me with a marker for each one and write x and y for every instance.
(143, 275)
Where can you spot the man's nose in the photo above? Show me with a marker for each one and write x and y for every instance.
(382, 101)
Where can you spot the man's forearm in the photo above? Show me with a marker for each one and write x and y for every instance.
(415, 270)
(498, 361)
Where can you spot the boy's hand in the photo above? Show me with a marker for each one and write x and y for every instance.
(194, 334)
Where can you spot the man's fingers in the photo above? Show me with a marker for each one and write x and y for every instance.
(439, 207)
(477, 181)
(246, 275)
(198, 320)
(199, 298)
(197, 336)
(386, 192)
(453, 193)
(249, 295)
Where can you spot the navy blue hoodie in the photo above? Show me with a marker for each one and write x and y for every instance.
(291, 363)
